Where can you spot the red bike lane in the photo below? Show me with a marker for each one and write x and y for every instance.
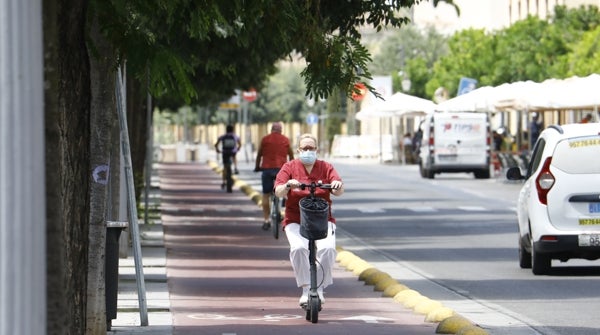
(228, 276)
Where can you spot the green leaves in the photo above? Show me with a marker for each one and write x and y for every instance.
(199, 50)
(339, 64)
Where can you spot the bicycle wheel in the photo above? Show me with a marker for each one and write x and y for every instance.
(228, 177)
(275, 216)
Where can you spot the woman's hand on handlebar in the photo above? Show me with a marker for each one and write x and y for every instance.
(293, 183)
(337, 184)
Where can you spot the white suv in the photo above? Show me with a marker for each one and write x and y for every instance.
(559, 203)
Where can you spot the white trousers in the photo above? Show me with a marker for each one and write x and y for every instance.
(326, 255)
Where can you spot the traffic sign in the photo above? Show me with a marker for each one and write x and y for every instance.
(249, 95)
(312, 118)
(228, 105)
(466, 85)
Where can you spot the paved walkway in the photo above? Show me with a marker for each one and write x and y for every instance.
(218, 272)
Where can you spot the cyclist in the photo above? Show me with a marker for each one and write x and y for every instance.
(306, 169)
(274, 150)
(230, 145)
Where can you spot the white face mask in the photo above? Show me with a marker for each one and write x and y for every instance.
(308, 157)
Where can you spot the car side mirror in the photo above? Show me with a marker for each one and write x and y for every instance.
(514, 173)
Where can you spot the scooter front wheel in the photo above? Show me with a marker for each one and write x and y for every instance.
(314, 310)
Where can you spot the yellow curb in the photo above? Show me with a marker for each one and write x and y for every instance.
(427, 306)
(384, 283)
(359, 267)
(256, 197)
(345, 261)
(452, 325)
(354, 263)
(362, 269)
(343, 255)
(376, 277)
(405, 294)
(247, 189)
(392, 290)
(413, 301)
(339, 248)
(439, 314)
(472, 330)
(365, 274)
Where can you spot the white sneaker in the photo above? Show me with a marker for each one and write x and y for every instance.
(321, 296)
(304, 297)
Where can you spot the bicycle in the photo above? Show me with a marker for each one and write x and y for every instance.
(227, 173)
(275, 214)
(314, 225)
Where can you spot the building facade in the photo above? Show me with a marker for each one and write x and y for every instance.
(487, 14)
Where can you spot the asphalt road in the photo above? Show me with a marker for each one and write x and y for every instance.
(454, 239)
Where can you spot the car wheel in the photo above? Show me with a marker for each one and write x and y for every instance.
(482, 174)
(540, 263)
(524, 256)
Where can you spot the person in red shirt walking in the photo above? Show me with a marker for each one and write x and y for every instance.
(274, 150)
(304, 170)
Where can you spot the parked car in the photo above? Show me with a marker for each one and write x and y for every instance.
(559, 203)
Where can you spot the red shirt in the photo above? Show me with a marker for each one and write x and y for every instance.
(294, 169)
(274, 149)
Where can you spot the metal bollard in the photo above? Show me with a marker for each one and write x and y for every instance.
(111, 268)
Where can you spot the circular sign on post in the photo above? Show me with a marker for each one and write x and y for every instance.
(249, 95)
(312, 118)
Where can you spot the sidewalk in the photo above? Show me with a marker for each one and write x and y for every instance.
(210, 269)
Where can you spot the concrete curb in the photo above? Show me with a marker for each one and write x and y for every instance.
(449, 322)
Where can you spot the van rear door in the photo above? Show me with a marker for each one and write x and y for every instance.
(461, 139)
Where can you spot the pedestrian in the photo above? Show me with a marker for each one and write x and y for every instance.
(407, 148)
(498, 137)
(230, 145)
(587, 118)
(535, 127)
(304, 170)
(273, 151)
(416, 143)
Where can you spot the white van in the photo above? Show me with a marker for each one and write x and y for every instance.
(455, 142)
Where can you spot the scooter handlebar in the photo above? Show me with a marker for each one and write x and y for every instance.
(314, 185)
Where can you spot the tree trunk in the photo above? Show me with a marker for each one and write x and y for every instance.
(102, 118)
(67, 100)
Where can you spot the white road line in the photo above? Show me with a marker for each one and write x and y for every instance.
(371, 210)
(472, 208)
(424, 209)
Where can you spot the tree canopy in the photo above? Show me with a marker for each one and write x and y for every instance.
(200, 52)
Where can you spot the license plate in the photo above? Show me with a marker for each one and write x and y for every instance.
(589, 240)
(594, 207)
(447, 157)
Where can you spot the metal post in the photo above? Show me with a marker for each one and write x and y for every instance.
(131, 203)
(22, 182)
(149, 150)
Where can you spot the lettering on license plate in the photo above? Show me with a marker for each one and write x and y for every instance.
(589, 240)
(589, 222)
(594, 207)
